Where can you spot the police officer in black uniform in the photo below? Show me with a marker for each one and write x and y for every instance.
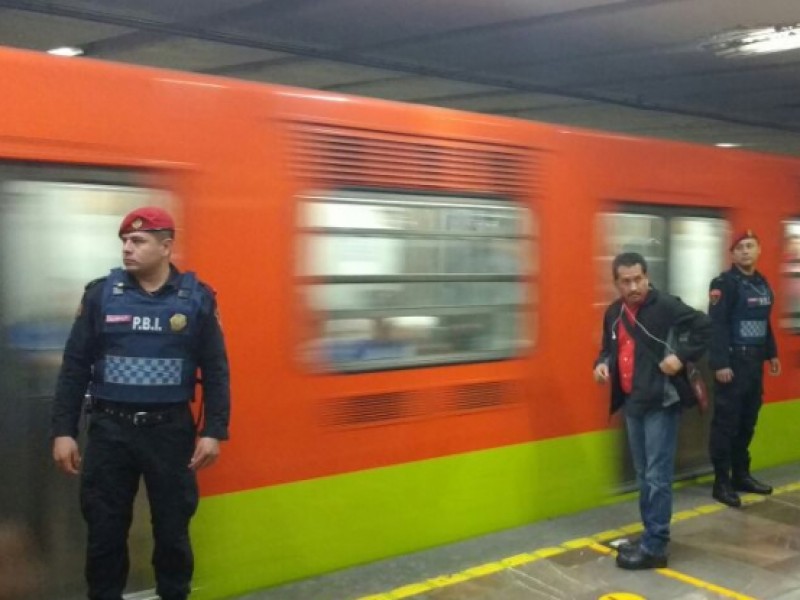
(740, 302)
(141, 335)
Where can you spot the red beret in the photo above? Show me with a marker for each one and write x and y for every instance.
(745, 234)
(146, 218)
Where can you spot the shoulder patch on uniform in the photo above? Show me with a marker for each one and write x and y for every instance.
(94, 282)
(714, 295)
(207, 288)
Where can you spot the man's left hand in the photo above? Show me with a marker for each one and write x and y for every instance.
(206, 452)
(671, 365)
(774, 366)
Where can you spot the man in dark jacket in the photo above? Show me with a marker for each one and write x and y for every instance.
(648, 336)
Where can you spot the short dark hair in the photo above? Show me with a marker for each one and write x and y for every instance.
(628, 259)
(164, 234)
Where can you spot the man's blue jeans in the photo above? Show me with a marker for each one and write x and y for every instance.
(653, 440)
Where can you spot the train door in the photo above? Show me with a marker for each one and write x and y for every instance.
(57, 232)
(790, 275)
(684, 249)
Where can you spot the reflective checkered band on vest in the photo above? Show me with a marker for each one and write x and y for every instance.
(131, 370)
(753, 329)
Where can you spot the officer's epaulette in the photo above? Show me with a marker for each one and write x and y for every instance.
(208, 288)
(94, 282)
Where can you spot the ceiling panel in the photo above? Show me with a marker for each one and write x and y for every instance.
(311, 73)
(503, 101)
(41, 32)
(666, 26)
(167, 10)
(332, 24)
(407, 88)
(191, 54)
(620, 65)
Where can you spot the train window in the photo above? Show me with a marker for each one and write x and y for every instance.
(683, 252)
(401, 280)
(790, 274)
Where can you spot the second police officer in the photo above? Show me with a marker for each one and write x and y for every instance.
(740, 303)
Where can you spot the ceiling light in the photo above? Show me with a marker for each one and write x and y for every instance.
(727, 145)
(756, 40)
(66, 51)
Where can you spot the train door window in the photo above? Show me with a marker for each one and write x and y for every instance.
(790, 275)
(697, 254)
(57, 232)
(402, 280)
(625, 232)
(683, 251)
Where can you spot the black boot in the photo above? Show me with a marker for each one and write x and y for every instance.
(723, 492)
(637, 559)
(745, 482)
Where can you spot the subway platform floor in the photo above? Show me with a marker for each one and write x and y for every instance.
(751, 552)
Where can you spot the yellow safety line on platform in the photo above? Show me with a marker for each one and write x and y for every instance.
(694, 581)
(413, 589)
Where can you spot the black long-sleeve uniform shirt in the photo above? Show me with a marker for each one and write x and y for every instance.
(722, 310)
(84, 347)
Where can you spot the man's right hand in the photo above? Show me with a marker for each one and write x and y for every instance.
(601, 373)
(724, 375)
(66, 454)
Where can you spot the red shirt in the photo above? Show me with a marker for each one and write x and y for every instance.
(626, 348)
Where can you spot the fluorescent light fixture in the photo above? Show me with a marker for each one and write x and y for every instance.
(754, 41)
(727, 145)
(66, 51)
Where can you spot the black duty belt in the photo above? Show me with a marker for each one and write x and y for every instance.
(139, 418)
(743, 350)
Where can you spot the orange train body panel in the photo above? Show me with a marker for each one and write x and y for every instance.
(225, 150)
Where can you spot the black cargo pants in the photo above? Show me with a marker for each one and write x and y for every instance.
(736, 407)
(119, 453)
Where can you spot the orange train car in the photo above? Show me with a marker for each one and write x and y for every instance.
(411, 298)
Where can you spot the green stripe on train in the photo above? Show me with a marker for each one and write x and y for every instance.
(255, 539)
(777, 435)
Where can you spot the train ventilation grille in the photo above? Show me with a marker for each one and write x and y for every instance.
(490, 394)
(349, 157)
(367, 410)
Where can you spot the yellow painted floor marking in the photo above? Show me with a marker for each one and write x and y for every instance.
(621, 596)
(611, 534)
(413, 589)
(602, 549)
(710, 508)
(752, 498)
(519, 559)
(699, 583)
(548, 552)
(445, 580)
(693, 581)
(683, 515)
(578, 543)
(632, 528)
